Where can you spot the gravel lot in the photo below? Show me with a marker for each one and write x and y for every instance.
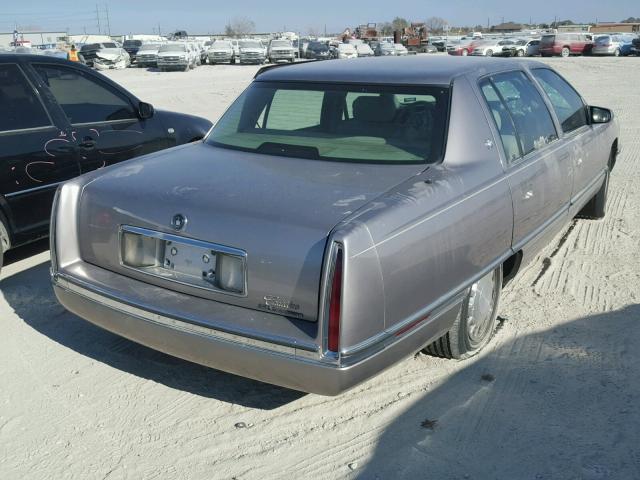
(555, 396)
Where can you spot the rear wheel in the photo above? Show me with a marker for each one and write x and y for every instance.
(520, 53)
(489, 53)
(4, 240)
(565, 52)
(616, 53)
(476, 322)
(596, 208)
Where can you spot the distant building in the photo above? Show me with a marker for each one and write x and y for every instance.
(574, 28)
(507, 27)
(36, 38)
(616, 28)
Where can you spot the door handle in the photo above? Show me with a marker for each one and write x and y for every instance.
(87, 144)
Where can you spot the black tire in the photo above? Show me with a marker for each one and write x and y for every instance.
(596, 208)
(489, 53)
(459, 342)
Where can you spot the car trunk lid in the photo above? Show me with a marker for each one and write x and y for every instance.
(278, 210)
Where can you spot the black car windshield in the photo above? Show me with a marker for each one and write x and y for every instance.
(132, 43)
(109, 45)
(349, 123)
(318, 47)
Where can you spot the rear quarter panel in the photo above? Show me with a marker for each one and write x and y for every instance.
(438, 230)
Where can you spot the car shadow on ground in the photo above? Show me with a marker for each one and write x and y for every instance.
(561, 403)
(30, 295)
(20, 253)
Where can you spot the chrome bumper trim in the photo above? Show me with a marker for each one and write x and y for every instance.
(299, 351)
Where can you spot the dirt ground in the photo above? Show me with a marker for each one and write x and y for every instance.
(555, 396)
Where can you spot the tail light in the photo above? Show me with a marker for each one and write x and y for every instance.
(335, 301)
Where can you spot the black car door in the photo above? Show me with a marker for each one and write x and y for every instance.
(105, 125)
(36, 153)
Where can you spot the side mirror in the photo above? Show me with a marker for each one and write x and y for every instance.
(600, 115)
(145, 110)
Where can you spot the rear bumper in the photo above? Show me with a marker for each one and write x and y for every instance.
(279, 364)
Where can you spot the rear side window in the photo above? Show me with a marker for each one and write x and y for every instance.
(566, 102)
(519, 110)
(84, 99)
(21, 108)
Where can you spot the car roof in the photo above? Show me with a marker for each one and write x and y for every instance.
(409, 70)
(30, 57)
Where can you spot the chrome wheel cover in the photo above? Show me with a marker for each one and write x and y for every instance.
(480, 308)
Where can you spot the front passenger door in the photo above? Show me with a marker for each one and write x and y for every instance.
(105, 125)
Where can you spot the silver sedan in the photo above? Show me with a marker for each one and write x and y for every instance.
(340, 217)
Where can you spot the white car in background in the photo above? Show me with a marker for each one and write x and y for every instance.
(176, 56)
(364, 50)
(495, 48)
(147, 55)
(221, 51)
(281, 50)
(527, 47)
(252, 51)
(400, 49)
(346, 50)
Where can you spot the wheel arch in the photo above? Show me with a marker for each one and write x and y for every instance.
(510, 267)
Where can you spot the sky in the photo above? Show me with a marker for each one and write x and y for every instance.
(208, 16)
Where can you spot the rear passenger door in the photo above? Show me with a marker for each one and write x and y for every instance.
(35, 154)
(105, 125)
(538, 168)
(588, 156)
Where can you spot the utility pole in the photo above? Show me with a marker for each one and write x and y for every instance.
(159, 34)
(106, 9)
(98, 18)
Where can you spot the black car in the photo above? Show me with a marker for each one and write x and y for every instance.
(132, 47)
(318, 51)
(60, 119)
(635, 46)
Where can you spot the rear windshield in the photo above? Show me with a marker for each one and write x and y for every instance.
(132, 43)
(320, 47)
(603, 40)
(348, 123)
(547, 39)
(178, 47)
(109, 45)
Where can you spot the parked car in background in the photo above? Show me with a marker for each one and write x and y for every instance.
(527, 47)
(429, 48)
(88, 52)
(345, 175)
(318, 51)
(59, 120)
(635, 46)
(147, 55)
(566, 44)
(385, 49)
(614, 44)
(441, 45)
(132, 47)
(346, 50)
(195, 52)
(221, 51)
(111, 58)
(364, 50)
(400, 49)
(252, 51)
(460, 47)
(494, 48)
(175, 56)
(281, 50)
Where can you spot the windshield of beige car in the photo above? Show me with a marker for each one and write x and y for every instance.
(339, 122)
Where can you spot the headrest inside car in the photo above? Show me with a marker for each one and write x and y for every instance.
(374, 109)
